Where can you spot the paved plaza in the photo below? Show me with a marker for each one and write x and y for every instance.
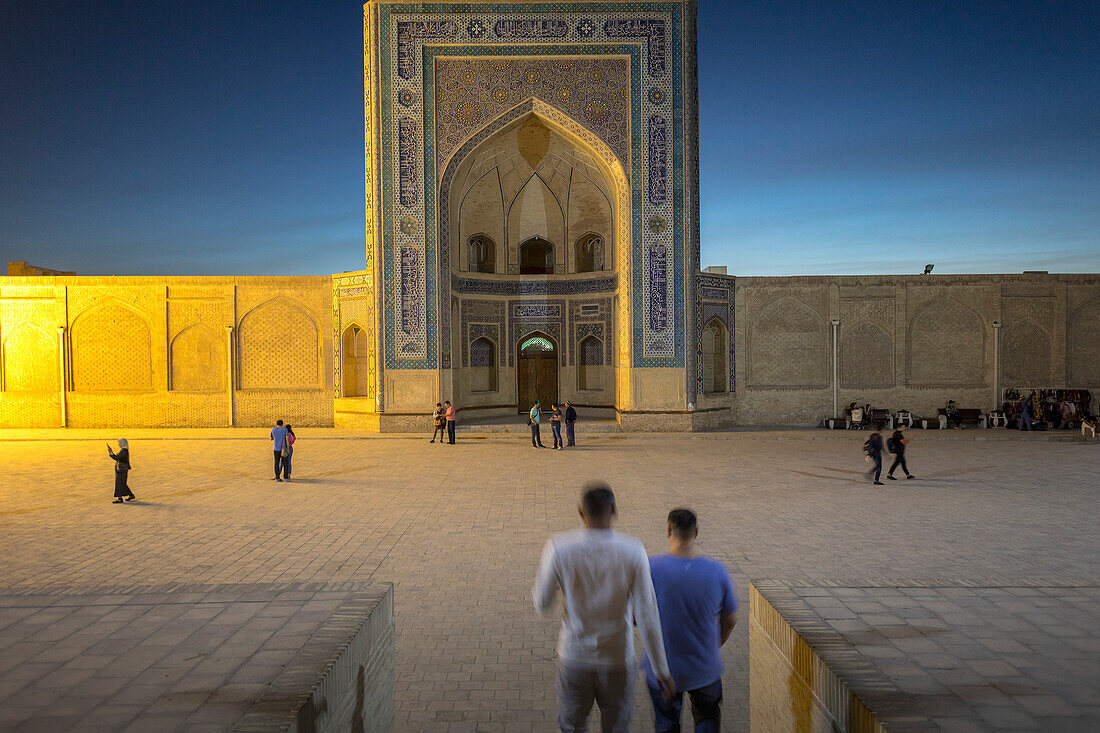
(459, 531)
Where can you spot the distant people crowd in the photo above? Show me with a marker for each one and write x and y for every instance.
(683, 603)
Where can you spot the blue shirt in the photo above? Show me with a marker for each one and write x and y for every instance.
(692, 593)
(278, 434)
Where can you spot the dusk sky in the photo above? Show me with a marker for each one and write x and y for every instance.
(226, 137)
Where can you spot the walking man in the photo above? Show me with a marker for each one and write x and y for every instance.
(698, 607)
(570, 419)
(873, 448)
(533, 419)
(896, 445)
(278, 435)
(606, 586)
(450, 422)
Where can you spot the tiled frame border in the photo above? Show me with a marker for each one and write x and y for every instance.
(677, 13)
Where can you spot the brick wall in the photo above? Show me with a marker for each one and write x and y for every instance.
(165, 351)
(909, 342)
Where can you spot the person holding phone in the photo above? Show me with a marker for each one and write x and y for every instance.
(122, 471)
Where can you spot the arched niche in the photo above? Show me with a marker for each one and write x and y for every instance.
(111, 350)
(590, 364)
(356, 352)
(197, 356)
(788, 346)
(485, 161)
(1025, 354)
(278, 347)
(715, 352)
(30, 359)
(483, 365)
(946, 345)
(866, 355)
(1083, 347)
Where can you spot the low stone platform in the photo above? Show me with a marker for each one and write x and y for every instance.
(232, 657)
(924, 657)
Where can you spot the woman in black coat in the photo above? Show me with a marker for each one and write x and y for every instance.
(122, 470)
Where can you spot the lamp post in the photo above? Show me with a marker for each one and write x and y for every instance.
(996, 364)
(64, 381)
(229, 371)
(835, 323)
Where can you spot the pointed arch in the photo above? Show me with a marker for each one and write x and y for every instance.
(483, 365)
(618, 241)
(866, 355)
(356, 352)
(1025, 353)
(278, 346)
(30, 359)
(590, 363)
(715, 352)
(111, 349)
(946, 345)
(197, 359)
(1082, 346)
(788, 346)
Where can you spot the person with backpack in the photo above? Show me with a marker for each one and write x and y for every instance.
(439, 420)
(873, 448)
(896, 445)
(533, 419)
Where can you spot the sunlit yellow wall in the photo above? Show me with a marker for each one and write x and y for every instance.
(165, 351)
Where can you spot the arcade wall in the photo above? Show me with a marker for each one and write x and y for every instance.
(909, 342)
(165, 351)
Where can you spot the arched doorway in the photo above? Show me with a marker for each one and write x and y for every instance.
(538, 371)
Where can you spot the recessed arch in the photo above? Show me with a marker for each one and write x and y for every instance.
(483, 365)
(111, 349)
(356, 352)
(278, 346)
(619, 238)
(787, 345)
(197, 359)
(946, 345)
(715, 353)
(30, 359)
(536, 369)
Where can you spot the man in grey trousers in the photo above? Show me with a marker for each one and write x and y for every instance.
(605, 583)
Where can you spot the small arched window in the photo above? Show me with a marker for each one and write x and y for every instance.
(536, 257)
(714, 356)
(589, 253)
(483, 365)
(590, 363)
(481, 254)
(356, 366)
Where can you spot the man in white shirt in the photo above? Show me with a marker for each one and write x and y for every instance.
(605, 582)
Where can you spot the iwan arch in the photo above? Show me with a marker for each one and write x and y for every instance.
(532, 231)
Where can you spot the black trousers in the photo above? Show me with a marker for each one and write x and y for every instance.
(877, 470)
(451, 432)
(899, 460)
(278, 463)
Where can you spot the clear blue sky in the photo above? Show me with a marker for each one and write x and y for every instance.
(226, 137)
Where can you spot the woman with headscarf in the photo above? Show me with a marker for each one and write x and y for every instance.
(122, 470)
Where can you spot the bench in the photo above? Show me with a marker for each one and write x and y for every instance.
(968, 415)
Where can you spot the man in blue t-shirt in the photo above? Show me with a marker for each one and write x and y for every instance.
(278, 435)
(698, 607)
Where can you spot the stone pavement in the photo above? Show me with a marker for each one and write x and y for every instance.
(459, 530)
(960, 658)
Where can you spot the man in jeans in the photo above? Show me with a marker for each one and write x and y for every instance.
(605, 582)
(698, 607)
(451, 417)
(278, 436)
(570, 423)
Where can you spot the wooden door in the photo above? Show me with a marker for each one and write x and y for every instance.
(537, 373)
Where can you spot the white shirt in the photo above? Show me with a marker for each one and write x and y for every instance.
(604, 578)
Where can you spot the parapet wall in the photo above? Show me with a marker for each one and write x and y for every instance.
(909, 342)
(165, 351)
(790, 686)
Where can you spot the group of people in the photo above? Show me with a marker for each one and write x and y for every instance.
(283, 438)
(1036, 412)
(443, 420)
(896, 443)
(684, 605)
(568, 416)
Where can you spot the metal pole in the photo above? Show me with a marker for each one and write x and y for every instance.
(996, 364)
(229, 369)
(63, 375)
(836, 323)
